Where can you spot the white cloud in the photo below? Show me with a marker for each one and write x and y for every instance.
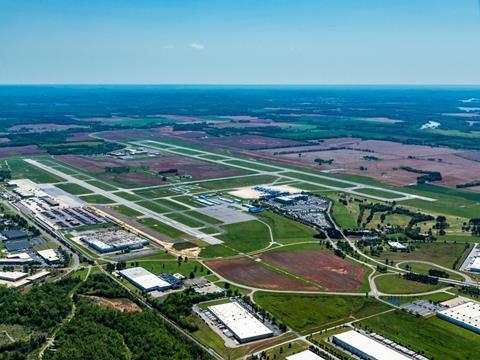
(197, 46)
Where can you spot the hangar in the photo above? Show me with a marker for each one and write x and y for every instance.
(304, 355)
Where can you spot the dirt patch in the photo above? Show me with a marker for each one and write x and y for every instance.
(248, 272)
(9, 151)
(327, 270)
(123, 305)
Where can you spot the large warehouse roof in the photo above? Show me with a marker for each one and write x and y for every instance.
(49, 255)
(366, 345)
(304, 355)
(239, 321)
(467, 314)
(144, 279)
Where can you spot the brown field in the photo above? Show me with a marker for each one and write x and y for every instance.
(123, 305)
(196, 168)
(9, 151)
(327, 270)
(248, 272)
(80, 136)
(456, 166)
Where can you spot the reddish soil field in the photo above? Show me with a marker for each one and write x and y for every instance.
(248, 272)
(327, 270)
(20, 150)
(456, 166)
(198, 169)
(44, 127)
(80, 136)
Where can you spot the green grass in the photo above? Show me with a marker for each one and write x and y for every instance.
(214, 251)
(254, 166)
(22, 170)
(246, 236)
(317, 180)
(436, 252)
(125, 210)
(102, 185)
(188, 200)
(185, 220)
(308, 313)
(423, 269)
(214, 157)
(345, 215)
(209, 230)
(153, 206)
(162, 228)
(128, 196)
(379, 193)
(161, 255)
(286, 231)
(170, 204)
(238, 182)
(393, 284)
(74, 189)
(96, 199)
(203, 217)
(153, 193)
(184, 268)
(436, 338)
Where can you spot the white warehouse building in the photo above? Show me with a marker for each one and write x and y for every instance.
(365, 347)
(241, 323)
(465, 315)
(144, 279)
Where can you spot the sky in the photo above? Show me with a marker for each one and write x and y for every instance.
(240, 42)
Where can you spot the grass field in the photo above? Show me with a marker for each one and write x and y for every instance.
(309, 313)
(128, 196)
(162, 228)
(188, 200)
(102, 185)
(436, 338)
(184, 268)
(153, 193)
(246, 236)
(170, 204)
(436, 252)
(153, 206)
(203, 217)
(185, 220)
(96, 199)
(392, 284)
(74, 189)
(317, 180)
(22, 170)
(254, 166)
(237, 182)
(375, 192)
(345, 215)
(286, 231)
(423, 269)
(125, 210)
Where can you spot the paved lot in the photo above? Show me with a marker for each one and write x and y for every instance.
(225, 214)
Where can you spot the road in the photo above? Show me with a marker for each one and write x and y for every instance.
(162, 218)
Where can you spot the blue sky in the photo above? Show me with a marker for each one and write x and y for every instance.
(240, 42)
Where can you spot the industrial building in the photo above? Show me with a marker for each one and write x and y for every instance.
(304, 355)
(241, 323)
(12, 275)
(397, 246)
(111, 240)
(19, 259)
(14, 235)
(144, 279)
(17, 245)
(466, 315)
(50, 256)
(365, 347)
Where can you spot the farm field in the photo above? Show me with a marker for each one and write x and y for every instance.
(249, 273)
(301, 311)
(426, 335)
(322, 267)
